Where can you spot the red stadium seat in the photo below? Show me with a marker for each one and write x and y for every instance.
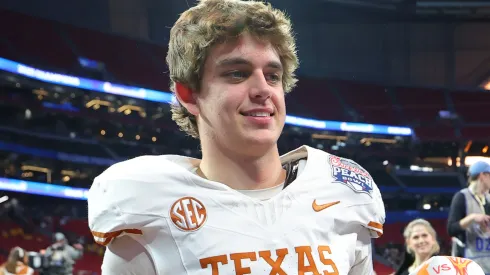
(420, 105)
(470, 105)
(371, 101)
(35, 38)
(315, 98)
(124, 58)
(382, 269)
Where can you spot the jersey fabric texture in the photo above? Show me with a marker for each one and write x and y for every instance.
(322, 223)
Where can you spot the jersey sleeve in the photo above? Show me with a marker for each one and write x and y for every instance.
(364, 255)
(377, 215)
(372, 218)
(371, 213)
(117, 203)
(107, 220)
(119, 260)
(363, 199)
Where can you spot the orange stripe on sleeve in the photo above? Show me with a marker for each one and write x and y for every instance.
(377, 227)
(105, 238)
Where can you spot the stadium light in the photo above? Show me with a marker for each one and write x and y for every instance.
(469, 160)
(169, 98)
(4, 199)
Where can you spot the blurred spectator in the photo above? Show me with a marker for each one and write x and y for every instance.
(16, 263)
(469, 217)
(62, 256)
(421, 244)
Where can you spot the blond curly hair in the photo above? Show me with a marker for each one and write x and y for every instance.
(213, 22)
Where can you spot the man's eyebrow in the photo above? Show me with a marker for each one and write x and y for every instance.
(241, 61)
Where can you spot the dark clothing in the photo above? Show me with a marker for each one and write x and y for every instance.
(407, 262)
(457, 212)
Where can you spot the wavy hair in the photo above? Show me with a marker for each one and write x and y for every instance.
(212, 22)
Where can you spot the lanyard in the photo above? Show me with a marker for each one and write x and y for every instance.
(481, 200)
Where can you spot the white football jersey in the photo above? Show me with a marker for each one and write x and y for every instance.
(446, 265)
(322, 223)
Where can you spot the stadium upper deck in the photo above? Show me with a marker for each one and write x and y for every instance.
(57, 47)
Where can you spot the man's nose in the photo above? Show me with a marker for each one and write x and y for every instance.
(260, 89)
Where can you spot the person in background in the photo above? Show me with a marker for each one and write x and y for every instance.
(421, 243)
(62, 256)
(469, 217)
(16, 263)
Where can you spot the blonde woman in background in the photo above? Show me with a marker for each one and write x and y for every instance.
(16, 263)
(421, 243)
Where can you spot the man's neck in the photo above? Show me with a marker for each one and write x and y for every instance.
(242, 172)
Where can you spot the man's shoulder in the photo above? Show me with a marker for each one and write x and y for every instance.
(143, 177)
(135, 192)
(146, 168)
(336, 175)
(322, 158)
(351, 184)
(348, 172)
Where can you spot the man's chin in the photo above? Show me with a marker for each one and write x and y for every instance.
(261, 137)
(258, 143)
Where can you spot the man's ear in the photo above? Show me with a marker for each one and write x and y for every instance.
(186, 97)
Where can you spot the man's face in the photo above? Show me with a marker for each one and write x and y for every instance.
(241, 102)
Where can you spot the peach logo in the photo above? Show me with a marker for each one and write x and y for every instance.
(188, 214)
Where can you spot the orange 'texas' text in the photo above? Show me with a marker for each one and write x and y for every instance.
(303, 254)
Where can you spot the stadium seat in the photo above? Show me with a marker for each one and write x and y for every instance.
(36, 39)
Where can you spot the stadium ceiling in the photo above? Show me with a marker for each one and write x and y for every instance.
(463, 9)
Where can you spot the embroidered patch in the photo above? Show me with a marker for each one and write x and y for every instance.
(351, 174)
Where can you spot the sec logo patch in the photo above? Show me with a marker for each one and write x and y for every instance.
(188, 214)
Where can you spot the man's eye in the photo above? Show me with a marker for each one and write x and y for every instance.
(236, 75)
(273, 78)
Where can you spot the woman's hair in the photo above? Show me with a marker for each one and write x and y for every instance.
(16, 254)
(407, 233)
(213, 22)
(472, 179)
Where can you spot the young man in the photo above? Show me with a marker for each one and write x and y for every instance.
(242, 209)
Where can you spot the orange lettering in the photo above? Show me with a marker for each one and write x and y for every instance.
(325, 261)
(238, 257)
(213, 261)
(276, 265)
(305, 251)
